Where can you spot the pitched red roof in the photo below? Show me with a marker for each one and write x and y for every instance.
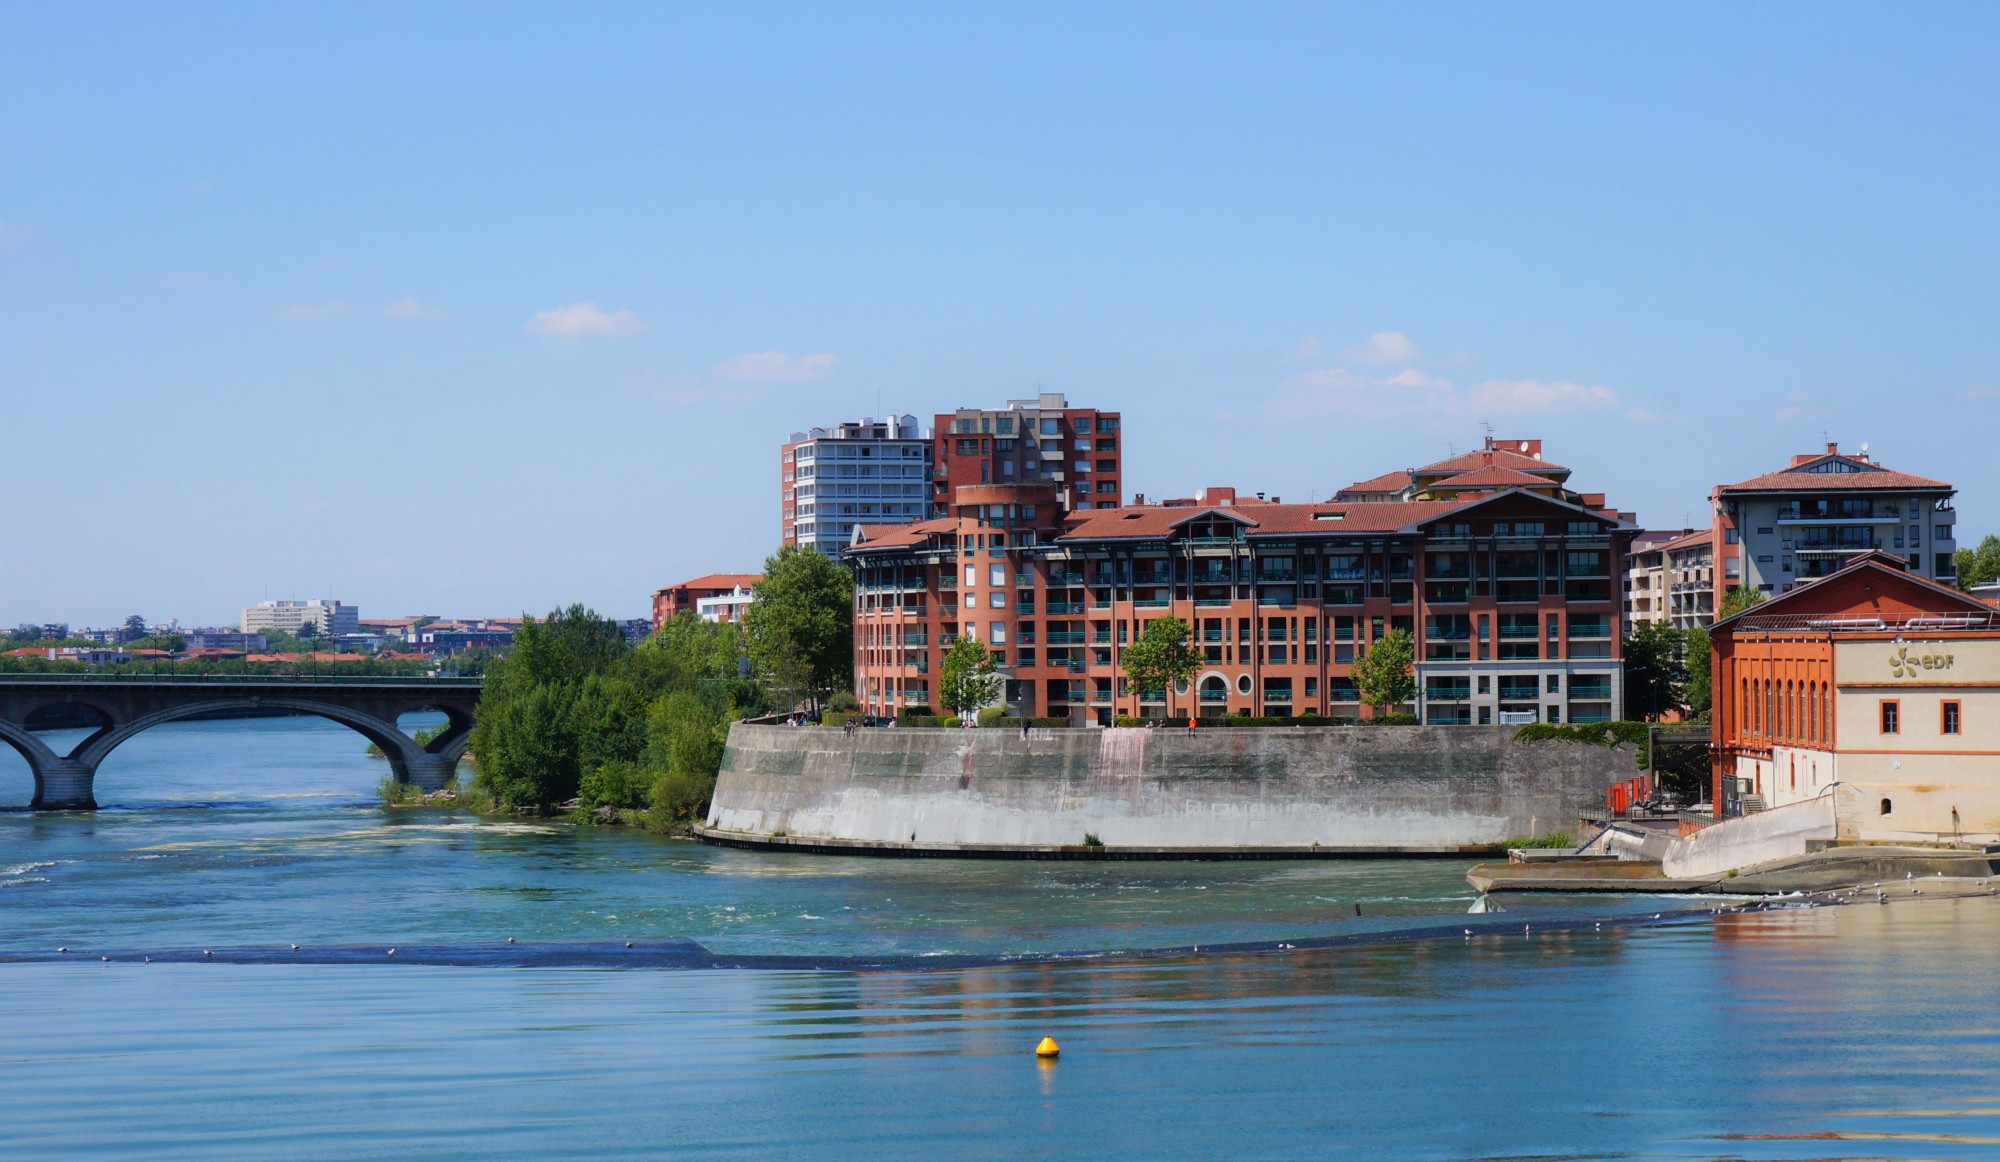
(1489, 458)
(1803, 478)
(1391, 482)
(1154, 522)
(1493, 476)
(1697, 537)
(723, 581)
(898, 536)
(1812, 598)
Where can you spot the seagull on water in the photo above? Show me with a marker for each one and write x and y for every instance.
(392, 952)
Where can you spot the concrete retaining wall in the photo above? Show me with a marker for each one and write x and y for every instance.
(1360, 789)
(1749, 840)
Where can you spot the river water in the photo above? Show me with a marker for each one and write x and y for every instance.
(782, 1006)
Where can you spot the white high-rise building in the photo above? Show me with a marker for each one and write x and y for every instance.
(330, 618)
(872, 472)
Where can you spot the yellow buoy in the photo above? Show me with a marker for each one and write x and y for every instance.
(1048, 1048)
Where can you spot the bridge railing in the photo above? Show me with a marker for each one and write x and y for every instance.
(301, 678)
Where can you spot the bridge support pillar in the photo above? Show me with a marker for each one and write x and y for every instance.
(64, 784)
(429, 772)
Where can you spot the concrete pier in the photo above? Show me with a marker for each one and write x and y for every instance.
(1394, 790)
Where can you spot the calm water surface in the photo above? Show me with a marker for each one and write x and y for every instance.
(1862, 1032)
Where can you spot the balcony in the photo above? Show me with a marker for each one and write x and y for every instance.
(1447, 693)
(1214, 696)
(1065, 637)
(1150, 603)
(1581, 693)
(1061, 607)
(1519, 633)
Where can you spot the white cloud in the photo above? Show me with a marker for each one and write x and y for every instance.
(412, 309)
(1303, 351)
(1532, 396)
(777, 367)
(584, 321)
(1383, 347)
(313, 312)
(1339, 391)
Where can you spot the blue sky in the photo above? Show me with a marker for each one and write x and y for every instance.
(474, 310)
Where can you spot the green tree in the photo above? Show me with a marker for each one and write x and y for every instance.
(1737, 599)
(1655, 659)
(1980, 565)
(1695, 696)
(1386, 674)
(173, 643)
(1163, 655)
(968, 678)
(533, 717)
(801, 626)
(133, 629)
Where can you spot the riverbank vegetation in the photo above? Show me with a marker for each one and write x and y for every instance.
(575, 713)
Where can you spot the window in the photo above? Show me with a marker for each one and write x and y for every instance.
(1891, 716)
(1051, 427)
(1728, 536)
(1950, 717)
(996, 600)
(1555, 684)
(971, 575)
(998, 629)
(996, 574)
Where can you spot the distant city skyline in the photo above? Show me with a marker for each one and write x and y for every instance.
(477, 313)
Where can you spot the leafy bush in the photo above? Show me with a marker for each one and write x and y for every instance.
(1015, 723)
(993, 716)
(843, 700)
(679, 798)
(1391, 720)
(1551, 841)
(1591, 733)
(838, 718)
(618, 783)
(1090, 839)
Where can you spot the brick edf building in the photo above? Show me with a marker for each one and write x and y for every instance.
(1508, 580)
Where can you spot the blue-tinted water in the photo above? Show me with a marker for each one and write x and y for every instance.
(1832, 1033)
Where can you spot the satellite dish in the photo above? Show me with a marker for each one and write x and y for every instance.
(1864, 447)
(1524, 445)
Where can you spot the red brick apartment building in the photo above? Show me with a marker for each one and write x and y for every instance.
(1874, 687)
(675, 598)
(1509, 581)
(1040, 441)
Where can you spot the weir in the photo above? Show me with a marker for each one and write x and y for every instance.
(125, 706)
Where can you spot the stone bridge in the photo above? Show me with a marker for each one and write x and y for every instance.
(124, 706)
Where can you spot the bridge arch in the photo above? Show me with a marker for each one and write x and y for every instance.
(409, 762)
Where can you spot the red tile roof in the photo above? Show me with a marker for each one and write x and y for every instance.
(1803, 478)
(723, 581)
(1395, 481)
(898, 536)
(1486, 458)
(1493, 476)
(1697, 537)
(1153, 522)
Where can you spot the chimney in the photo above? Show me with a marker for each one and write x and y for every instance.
(1833, 447)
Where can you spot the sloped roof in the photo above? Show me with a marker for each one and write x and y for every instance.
(1490, 458)
(1801, 599)
(1697, 537)
(1804, 478)
(1493, 476)
(1395, 481)
(711, 581)
(1151, 522)
(900, 535)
